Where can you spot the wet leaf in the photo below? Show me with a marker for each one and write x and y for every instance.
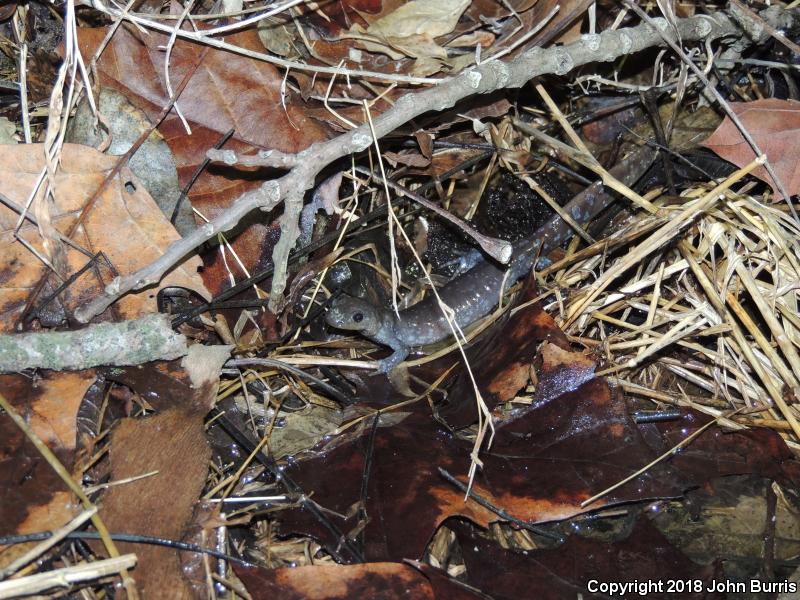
(536, 469)
(566, 570)
(505, 356)
(378, 581)
(573, 440)
(33, 497)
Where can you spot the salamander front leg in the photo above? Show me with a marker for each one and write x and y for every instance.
(399, 355)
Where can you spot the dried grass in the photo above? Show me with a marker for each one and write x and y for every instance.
(705, 316)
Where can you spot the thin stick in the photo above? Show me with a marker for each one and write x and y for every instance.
(67, 577)
(45, 545)
(722, 102)
(498, 249)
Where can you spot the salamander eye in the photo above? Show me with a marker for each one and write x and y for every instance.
(358, 317)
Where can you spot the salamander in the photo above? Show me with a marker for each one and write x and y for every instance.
(473, 294)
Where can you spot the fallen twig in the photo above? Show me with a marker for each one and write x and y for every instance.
(305, 165)
(67, 577)
(124, 343)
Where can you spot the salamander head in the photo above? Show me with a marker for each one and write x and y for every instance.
(353, 314)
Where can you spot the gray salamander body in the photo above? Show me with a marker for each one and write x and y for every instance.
(473, 294)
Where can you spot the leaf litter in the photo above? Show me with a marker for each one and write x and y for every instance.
(669, 322)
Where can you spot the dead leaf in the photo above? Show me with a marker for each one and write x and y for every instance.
(564, 27)
(774, 125)
(410, 29)
(7, 11)
(153, 163)
(280, 37)
(420, 17)
(537, 470)
(171, 443)
(50, 401)
(443, 161)
(564, 572)
(377, 581)
(225, 92)
(544, 461)
(176, 448)
(33, 497)
(410, 158)
(124, 205)
(505, 354)
(8, 131)
(475, 38)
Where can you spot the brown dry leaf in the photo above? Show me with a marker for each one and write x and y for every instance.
(409, 30)
(410, 158)
(171, 443)
(774, 124)
(328, 25)
(125, 223)
(280, 37)
(331, 22)
(484, 39)
(225, 92)
(341, 14)
(564, 27)
(419, 17)
(176, 448)
(344, 13)
(443, 161)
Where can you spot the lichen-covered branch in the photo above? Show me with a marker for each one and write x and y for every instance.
(118, 344)
(482, 79)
